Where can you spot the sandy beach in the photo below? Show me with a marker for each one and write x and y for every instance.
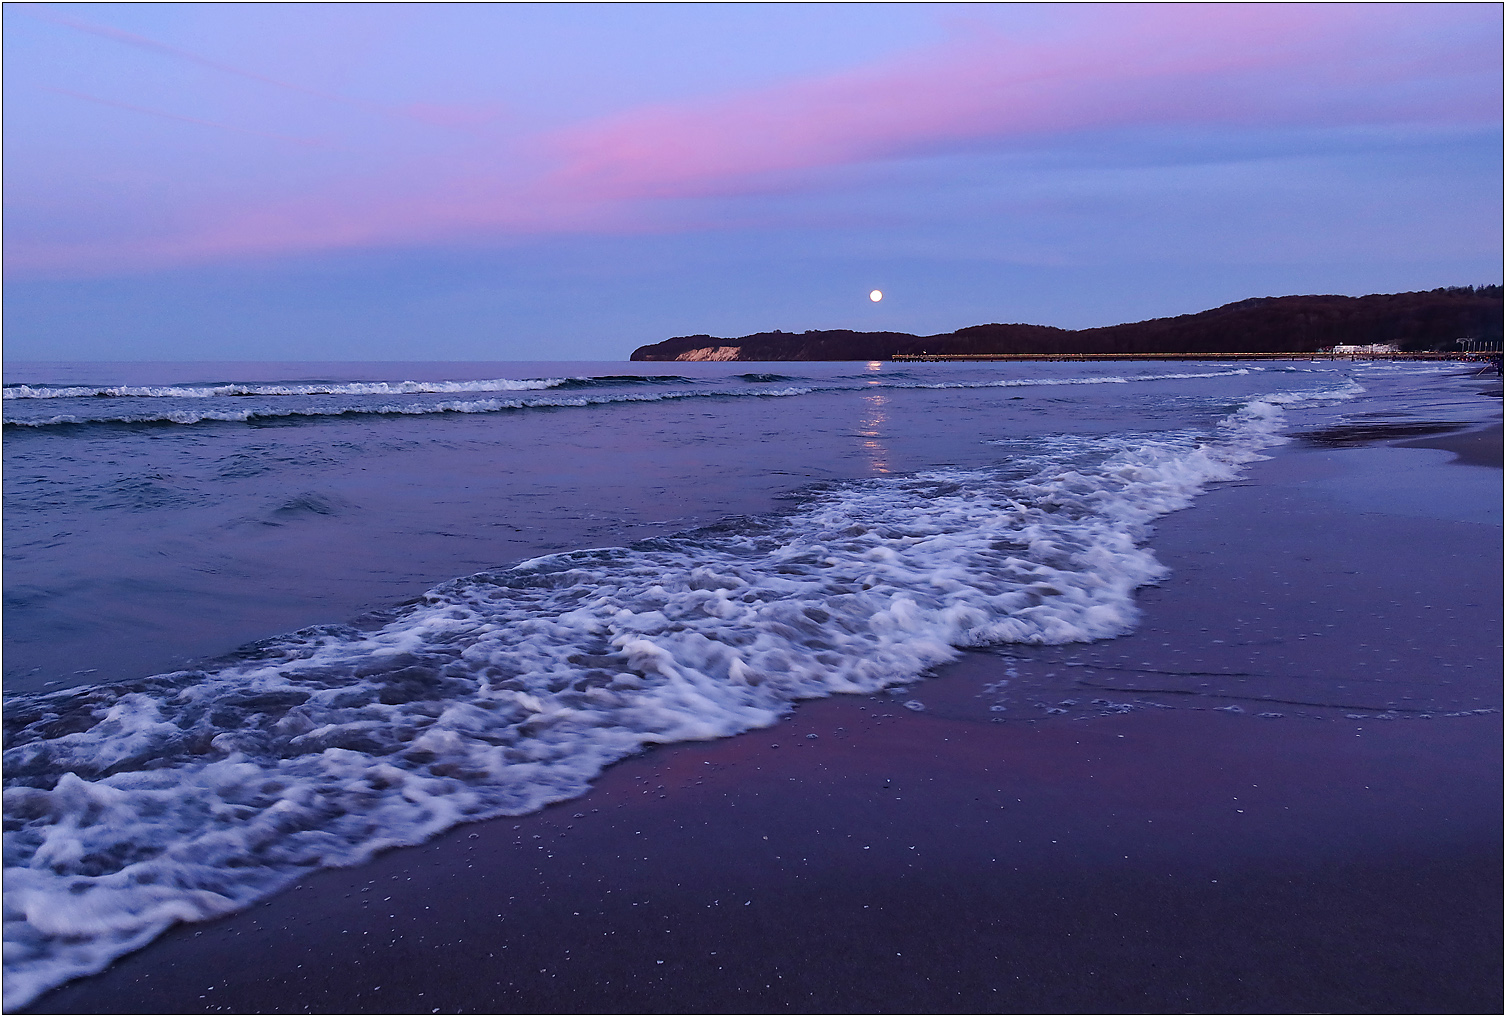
(1298, 809)
(753, 508)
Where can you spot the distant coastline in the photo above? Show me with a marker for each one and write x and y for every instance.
(1430, 320)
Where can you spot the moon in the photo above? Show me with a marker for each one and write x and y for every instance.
(876, 296)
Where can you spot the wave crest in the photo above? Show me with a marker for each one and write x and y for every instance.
(180, 797)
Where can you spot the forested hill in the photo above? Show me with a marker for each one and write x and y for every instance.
(1427, 320)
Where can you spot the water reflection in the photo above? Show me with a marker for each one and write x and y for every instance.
(870, 429)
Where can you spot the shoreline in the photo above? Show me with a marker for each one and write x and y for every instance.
(932, 860)
(812, 877)
(1476, 447)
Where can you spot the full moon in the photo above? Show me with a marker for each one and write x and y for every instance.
(876, 296)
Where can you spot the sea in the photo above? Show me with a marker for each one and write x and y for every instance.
(262, 618)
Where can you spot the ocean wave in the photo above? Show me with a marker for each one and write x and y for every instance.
(285, 389)
(131, 807)
(601, 380)
(1113, 379)
(217, 414)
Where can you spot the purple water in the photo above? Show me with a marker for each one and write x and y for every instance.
(262, 618)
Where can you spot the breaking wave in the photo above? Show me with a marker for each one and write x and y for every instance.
(313, 401)
(226, 414)
(301, 389)
(130, 807)
(1109, 379)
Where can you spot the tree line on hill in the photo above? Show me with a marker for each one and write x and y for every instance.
(1425, 320)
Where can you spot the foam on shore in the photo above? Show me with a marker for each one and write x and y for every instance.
(312, 402)
(184, 796)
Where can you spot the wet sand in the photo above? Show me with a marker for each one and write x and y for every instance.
(1473, 448)
(1299, 810)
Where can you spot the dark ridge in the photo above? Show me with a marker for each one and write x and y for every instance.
(1425, 320)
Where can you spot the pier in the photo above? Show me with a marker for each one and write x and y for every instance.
(940, 357)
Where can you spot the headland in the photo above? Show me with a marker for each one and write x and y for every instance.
(1432, 321)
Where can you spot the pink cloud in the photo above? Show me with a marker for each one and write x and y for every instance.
(1237, 65)
(374, 212)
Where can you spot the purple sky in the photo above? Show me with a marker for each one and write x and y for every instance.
(537, 182)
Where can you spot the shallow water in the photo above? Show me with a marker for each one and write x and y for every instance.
(717, 544)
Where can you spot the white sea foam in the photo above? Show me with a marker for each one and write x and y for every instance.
(186, 796)
(241, 403)
(1105, 379)
(286, 389)
(243, 414)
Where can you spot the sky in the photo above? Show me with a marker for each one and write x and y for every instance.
(570, 181)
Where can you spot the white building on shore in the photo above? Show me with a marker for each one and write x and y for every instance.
(1371, 348)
